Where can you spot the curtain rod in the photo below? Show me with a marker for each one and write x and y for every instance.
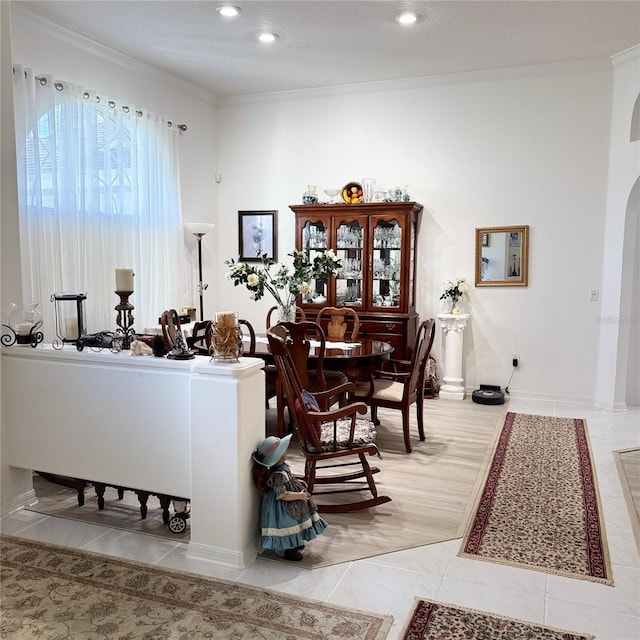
(59, 86)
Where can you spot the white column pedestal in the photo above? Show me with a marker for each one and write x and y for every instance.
(453, 326)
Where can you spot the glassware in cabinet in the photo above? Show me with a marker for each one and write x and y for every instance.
(349, 247)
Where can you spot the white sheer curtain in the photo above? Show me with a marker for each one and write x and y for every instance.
(98, 190)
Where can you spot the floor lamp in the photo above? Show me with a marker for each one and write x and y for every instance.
(199, 229)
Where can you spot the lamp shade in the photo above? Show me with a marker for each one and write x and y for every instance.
(199, 228)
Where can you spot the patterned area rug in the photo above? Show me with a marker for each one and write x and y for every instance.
(436, 621)
(539, 507)
(56, 592)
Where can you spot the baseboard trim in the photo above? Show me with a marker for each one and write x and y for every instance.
(222, 557)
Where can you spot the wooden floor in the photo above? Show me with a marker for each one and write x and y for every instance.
(628, 463)
(432, 489)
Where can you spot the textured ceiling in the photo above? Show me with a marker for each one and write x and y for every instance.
(341, 42)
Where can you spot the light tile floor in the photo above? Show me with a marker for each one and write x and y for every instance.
(388, 584)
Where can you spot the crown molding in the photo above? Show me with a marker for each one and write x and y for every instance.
(626, 57)
(110, 55)
(426, 82)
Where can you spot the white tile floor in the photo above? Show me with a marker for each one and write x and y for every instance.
(388, 584)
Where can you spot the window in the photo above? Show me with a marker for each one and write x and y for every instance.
(98, 190)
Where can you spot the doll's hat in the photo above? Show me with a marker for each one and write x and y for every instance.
(271, 450)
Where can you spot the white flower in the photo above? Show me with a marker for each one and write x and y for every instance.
(252, 295)
(456, 311)
(304, 288)
(252, 279)
(463, 287)
(447, 285)
(329, 253)
(228, 275)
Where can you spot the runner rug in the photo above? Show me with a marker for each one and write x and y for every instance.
(436, 621)
(57, 592)
(539, 507)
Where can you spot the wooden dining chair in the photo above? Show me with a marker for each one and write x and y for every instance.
(400, 383)
(336, 327)
(301, 316)
(200, 339)
(329, 438)
(249, 350)
(314, 378)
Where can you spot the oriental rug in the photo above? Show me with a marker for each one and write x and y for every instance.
(437, 621)
(56, 592)
(539, 507)
(628, 465)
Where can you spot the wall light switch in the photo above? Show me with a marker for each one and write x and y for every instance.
(595, 294)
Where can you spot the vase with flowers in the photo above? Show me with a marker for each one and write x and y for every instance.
(453, 293)
(286, 283)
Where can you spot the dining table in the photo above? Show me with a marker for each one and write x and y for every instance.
(355, 358)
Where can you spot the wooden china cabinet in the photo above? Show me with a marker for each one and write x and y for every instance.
(376, 243)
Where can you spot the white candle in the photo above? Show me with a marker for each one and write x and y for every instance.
(124, 280)
(24, 328)
(71, 328)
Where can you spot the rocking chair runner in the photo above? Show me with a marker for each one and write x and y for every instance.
(329, 436)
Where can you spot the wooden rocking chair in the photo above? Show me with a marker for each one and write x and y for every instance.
(313, 378)
(329, 436)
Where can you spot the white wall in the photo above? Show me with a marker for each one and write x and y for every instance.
(618, 339)
(496, 149)
(524, 146)
(53, 50)
(15, 484)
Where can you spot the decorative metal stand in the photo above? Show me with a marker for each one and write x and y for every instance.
(124, 319)
(34, 337)
(99, 341)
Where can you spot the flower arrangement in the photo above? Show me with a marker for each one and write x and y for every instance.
(286, 284)
(454, 291)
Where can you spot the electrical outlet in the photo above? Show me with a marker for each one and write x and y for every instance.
(515, 359)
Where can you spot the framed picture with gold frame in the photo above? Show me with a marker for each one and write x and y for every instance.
(502, 256)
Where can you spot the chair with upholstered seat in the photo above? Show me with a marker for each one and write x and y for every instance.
(314, 378)
(334, 321)
(330, 437)
(400, 383)
(301, 316)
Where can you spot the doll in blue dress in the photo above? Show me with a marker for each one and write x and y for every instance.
(289, 517)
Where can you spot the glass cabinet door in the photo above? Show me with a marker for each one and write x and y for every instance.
(315, 241)
(386, 263)
(349, 249)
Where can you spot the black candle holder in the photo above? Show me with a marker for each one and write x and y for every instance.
(124, 319)
(34, 337)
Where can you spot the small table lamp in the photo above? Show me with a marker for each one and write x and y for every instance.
(200, 229)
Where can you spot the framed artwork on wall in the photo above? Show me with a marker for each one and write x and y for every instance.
(258, 235)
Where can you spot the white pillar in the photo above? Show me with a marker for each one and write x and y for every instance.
(453, 326)
(227, 424)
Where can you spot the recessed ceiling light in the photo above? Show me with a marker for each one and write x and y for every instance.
(267, 36)
(228, 10)
(408, 17)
